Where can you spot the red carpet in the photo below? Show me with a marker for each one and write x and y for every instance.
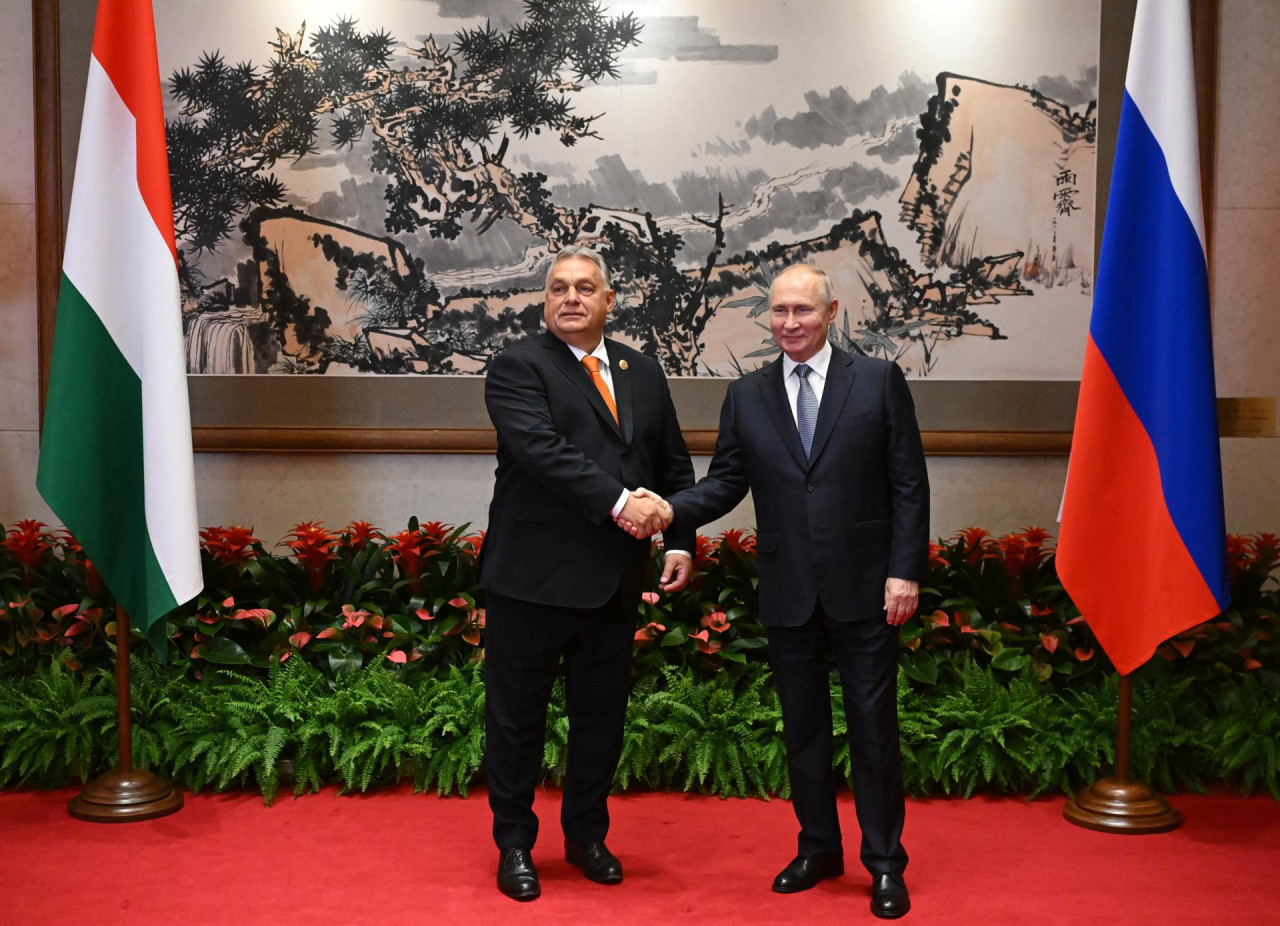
(392, 857)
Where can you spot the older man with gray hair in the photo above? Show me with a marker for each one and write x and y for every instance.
(828, 446)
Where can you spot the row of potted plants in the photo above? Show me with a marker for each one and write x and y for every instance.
(356, 656)
(409, 599)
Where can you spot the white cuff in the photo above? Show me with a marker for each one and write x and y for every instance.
(620, 503)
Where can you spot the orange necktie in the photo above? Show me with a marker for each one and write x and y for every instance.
(593, 367)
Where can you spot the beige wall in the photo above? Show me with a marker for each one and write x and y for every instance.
(18, 381)
(271, 492)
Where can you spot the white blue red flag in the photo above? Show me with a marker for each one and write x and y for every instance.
(1142, 547)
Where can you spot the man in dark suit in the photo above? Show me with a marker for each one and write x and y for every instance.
(828, 445)
(581, 421)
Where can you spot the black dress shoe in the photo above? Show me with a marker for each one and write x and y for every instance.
(889, 898)
(595, 860)
(517, 878)
(806, 871)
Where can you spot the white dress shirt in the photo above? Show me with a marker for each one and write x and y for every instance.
(606, 373)
(818, 365)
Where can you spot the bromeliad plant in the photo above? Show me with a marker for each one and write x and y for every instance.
(410, 601)
(996, 601)
(342, 601)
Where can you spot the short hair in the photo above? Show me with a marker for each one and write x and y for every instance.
(586, 253)
(826, 292)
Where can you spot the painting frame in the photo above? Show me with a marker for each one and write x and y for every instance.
(445, 414)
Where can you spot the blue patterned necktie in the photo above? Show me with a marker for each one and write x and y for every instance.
(806, 407)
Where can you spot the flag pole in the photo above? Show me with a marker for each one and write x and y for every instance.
(125, 794)
(1118, 804)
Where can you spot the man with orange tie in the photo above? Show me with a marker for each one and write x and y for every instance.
(581, 422)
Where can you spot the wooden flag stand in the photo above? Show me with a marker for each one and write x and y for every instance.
(1119, 804)
(124, 794)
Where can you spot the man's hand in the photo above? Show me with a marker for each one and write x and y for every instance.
(644, 514)
(676, 569)
(900, 599)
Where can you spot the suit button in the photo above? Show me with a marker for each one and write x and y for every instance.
(809, 487)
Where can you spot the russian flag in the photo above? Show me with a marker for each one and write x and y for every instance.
(1142, 545)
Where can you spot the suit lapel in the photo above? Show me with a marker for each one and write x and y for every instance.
(577, 374)
(834, 393)
(774, 395)
(621, 391)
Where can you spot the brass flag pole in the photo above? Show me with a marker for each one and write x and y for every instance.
(125, 793)
(1118, 804)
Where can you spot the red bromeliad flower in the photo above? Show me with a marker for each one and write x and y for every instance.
(738, 541)
(1037, 536)
(472, 543)
(313, 545)
(436, 532)
(705, 553)
(1013, 548)
(410, 550)
(936, 559)
(717, 621)
(1240, 555)
(359, 534)
(29, 540)
(974, 543)
(231, 546)
(1266, 550)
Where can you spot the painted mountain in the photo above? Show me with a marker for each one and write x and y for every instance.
(361, 204)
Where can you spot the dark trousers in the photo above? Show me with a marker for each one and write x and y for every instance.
(524, 645)
(865, 654)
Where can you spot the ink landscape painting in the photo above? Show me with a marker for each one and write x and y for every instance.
(378, 188)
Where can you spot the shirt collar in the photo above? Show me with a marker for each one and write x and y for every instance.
(599, 352)
(818, 363)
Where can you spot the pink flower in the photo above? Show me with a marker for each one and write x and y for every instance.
(351, 617)
(717, 621)
(648, 633)
(700, 640)
(261, 615)
(650, 597)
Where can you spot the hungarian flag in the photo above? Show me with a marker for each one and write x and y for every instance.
(1142, 547)
(115, 453)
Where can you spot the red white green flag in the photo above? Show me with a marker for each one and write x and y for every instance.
(115, 453)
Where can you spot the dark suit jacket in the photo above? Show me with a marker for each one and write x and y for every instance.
(563, 462)
(832, 527)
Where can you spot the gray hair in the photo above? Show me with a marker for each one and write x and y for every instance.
(580, 250)
(826, 292)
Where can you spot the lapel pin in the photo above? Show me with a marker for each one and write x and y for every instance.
(622, 364)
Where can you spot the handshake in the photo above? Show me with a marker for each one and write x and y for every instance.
(644, 514)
